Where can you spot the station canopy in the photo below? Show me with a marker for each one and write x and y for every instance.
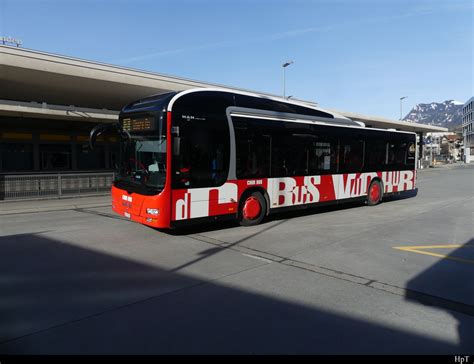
(43, 85)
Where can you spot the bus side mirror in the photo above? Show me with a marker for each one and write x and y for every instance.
(176, 146)
(95, 132)
(101, 128)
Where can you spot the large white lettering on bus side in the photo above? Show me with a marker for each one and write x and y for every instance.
(367, 178)
(197, 202)
(341, 189)
(390, 180)
(182, 207)
(396, 181)
(283, 191)
(287, 192)
(312, 191)
(406, 181)
(345, 186)
(227, 192)
(353, 185)
(223, 200)
(194, 204)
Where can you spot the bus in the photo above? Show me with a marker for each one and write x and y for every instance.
(211, 154)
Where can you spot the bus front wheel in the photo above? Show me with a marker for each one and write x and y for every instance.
(374, 195)
(252, 209)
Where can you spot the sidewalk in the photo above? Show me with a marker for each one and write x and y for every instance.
(23, 207)
(451, 165)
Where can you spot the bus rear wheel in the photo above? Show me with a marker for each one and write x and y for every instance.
(374, 195)
(252, 209)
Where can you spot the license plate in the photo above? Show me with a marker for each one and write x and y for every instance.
(127, 215)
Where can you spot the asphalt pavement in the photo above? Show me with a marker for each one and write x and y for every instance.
(390, 279)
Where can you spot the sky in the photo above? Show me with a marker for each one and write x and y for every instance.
(350, 55)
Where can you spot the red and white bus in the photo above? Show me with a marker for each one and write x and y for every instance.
(213, 154)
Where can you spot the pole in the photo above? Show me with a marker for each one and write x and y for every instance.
(284, 81)
(401, 98)
(431, 154)
(284, 65)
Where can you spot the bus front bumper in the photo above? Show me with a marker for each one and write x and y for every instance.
(148, 210)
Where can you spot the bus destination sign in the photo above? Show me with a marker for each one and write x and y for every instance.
(138, 124)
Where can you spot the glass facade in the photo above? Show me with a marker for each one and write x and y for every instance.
(52, 146)
(468, 130)
(16, 157)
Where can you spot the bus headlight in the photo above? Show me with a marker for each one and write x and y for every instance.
(154, 212)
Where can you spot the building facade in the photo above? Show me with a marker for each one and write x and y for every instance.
(31, 146)
(468, 130)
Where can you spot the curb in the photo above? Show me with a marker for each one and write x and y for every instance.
(55, 208)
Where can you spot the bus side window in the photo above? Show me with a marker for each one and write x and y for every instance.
(218, 173)
(351, 156)
(397, 155)
(376, 155)
(203, 159)
(322, 157)
(253, 155)
(411, 155)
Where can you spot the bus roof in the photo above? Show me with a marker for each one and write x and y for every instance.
(167, 100)
(278, 99)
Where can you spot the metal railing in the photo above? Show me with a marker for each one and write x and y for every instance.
(33, 186)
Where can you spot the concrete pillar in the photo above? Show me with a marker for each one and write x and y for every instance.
(73, 146)
(36, 152)
(420, 150)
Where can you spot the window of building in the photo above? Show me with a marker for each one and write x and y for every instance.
(113, 156)
(88, 159)
(16, 156)
(54, 157)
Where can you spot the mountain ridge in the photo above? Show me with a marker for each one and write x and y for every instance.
(447, 114)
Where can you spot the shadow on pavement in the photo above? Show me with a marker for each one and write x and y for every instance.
(285, 215)
(58, 298)
(401, 195)
(276, 216)
(448, 285)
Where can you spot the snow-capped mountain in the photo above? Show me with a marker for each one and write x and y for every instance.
(447, 114)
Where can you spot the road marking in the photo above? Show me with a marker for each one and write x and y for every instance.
(420, 249)
(259, 258)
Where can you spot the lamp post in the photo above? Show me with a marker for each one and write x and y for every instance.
(286, 64)
(401, 98)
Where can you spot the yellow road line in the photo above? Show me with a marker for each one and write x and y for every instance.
(434, 246)
(417, 249)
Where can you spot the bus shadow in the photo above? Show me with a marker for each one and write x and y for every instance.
(276, 216)
(448, 285)
(283, 215)
(61, 298)
(401, 195)
(197, 228)
(315, 210)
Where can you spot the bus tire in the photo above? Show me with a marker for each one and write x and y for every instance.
(252, 209)
(374, 194)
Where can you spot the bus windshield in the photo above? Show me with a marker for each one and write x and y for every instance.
(143, 156)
